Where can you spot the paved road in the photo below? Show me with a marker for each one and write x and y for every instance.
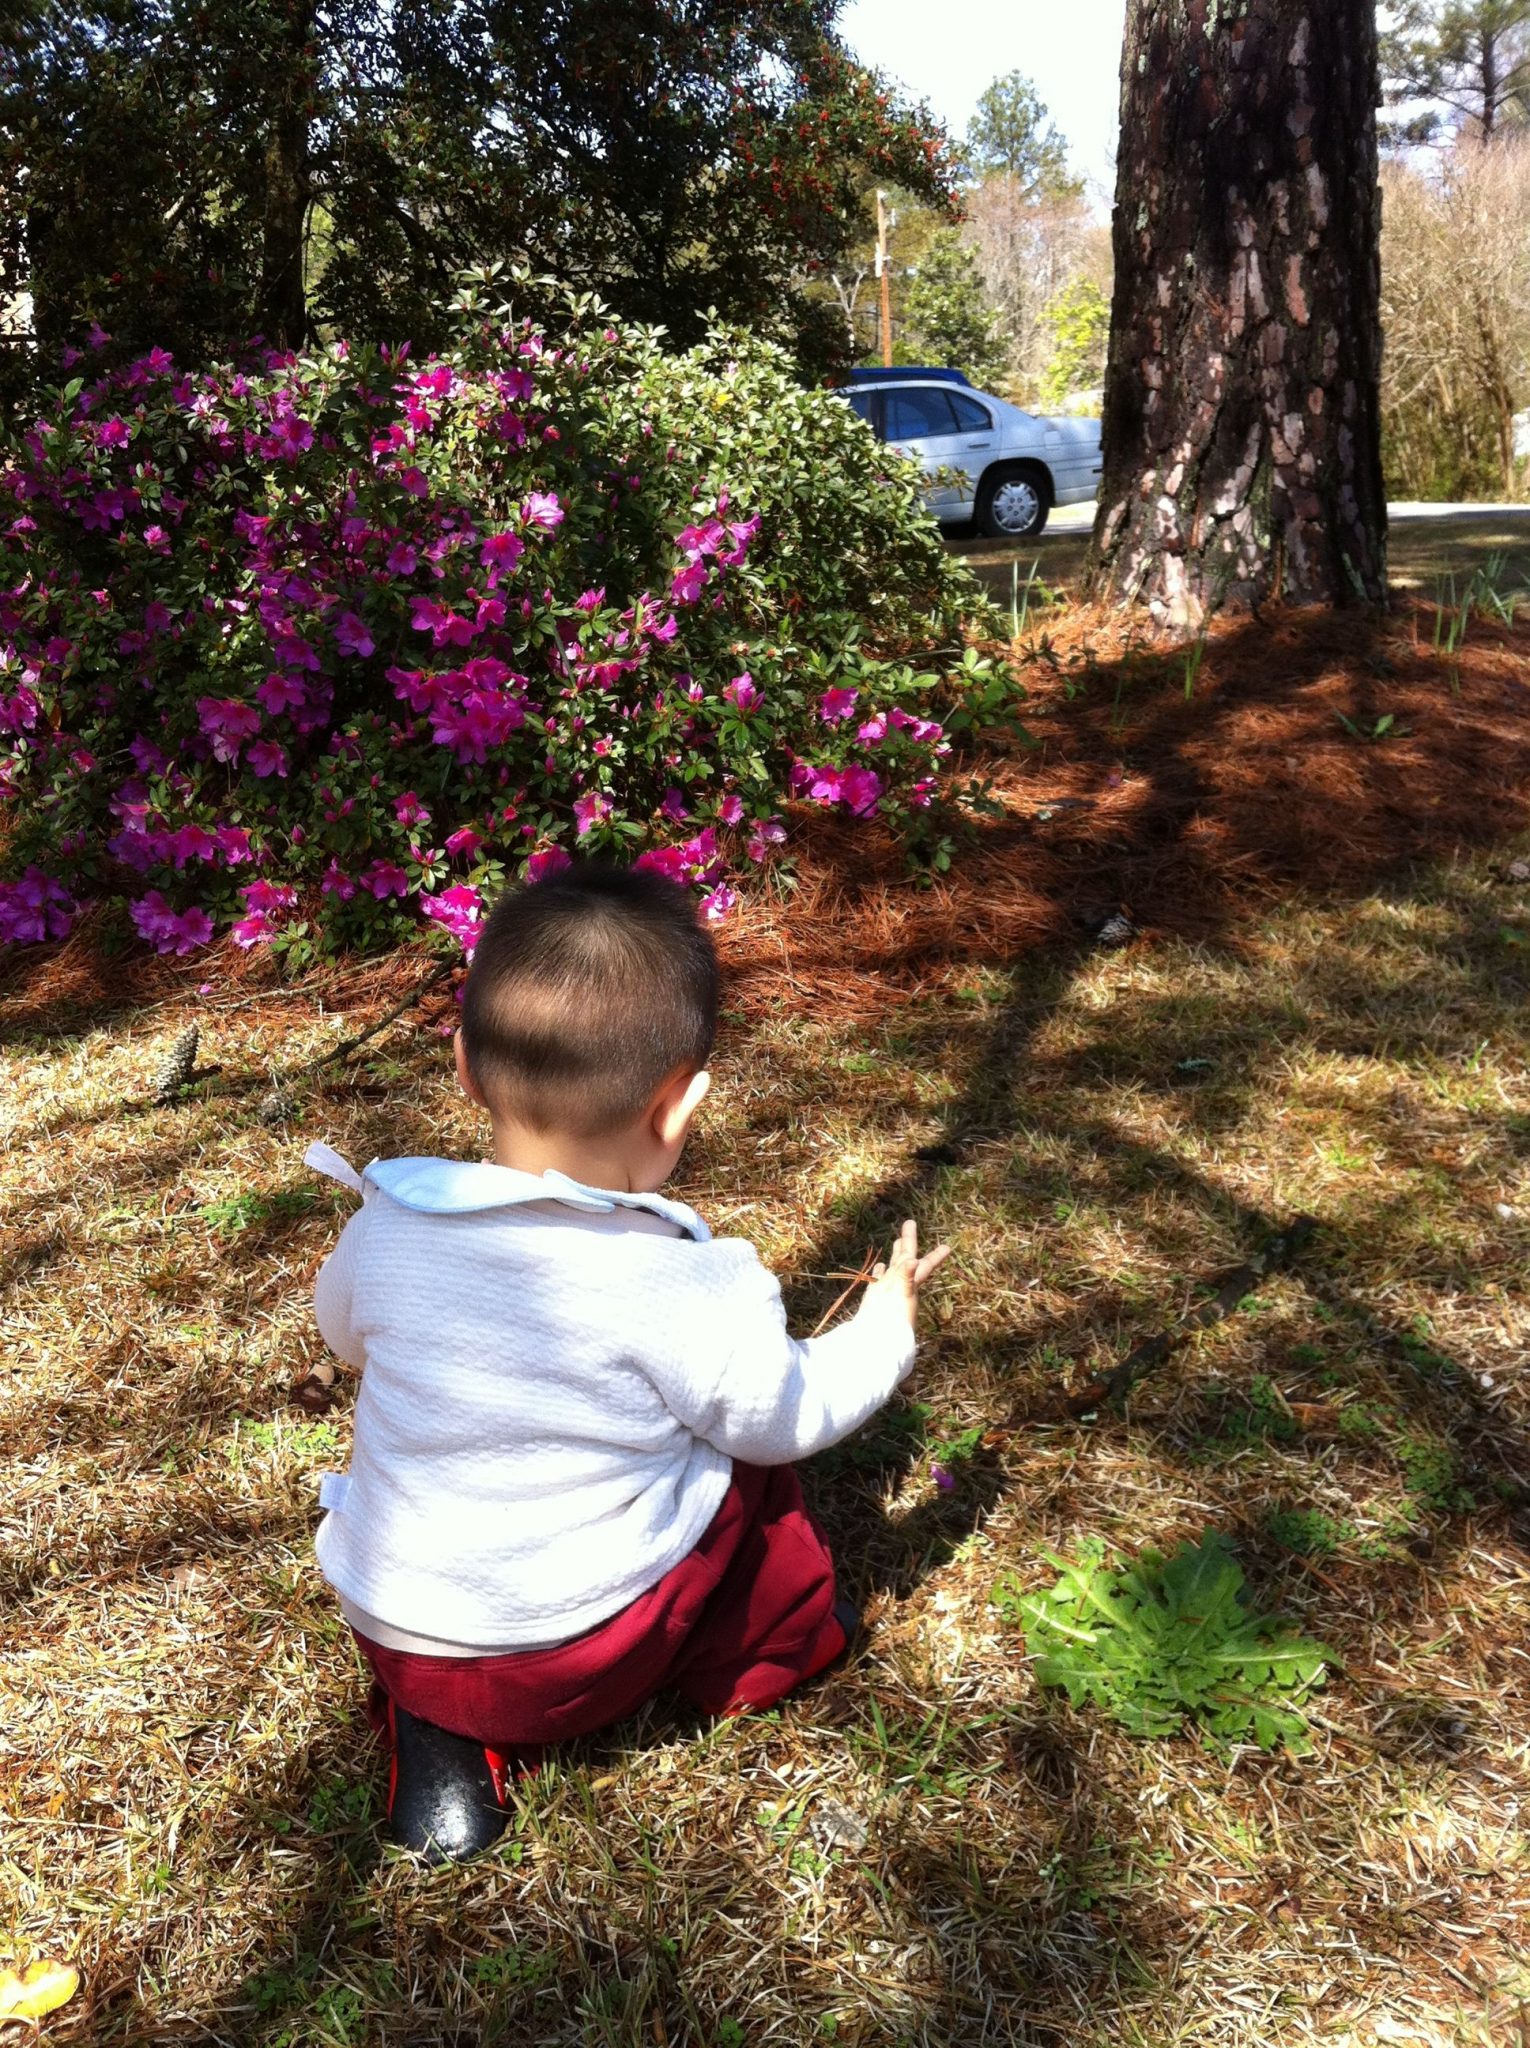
(1428, 542)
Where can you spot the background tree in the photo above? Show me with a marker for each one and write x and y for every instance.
(1011, 135)
(320, 163)
(1241, 421)
(946, 319)
(1470, 57)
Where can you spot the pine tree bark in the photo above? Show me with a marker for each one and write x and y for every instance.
(1242, 429)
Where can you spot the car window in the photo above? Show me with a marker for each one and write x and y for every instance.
(915, 414)
(864, 402)
(970, 416)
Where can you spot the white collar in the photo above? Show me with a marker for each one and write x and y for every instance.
(455, 1187)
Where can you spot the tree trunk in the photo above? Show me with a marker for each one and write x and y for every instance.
(282, 313)
(1242, 423)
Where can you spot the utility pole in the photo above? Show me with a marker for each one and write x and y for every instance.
(885, 220)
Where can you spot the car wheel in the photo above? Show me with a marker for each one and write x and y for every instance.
(1014, 502)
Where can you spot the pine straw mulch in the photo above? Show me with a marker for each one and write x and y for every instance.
(1323, 1011)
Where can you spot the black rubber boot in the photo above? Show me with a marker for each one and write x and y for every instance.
(446, 1793)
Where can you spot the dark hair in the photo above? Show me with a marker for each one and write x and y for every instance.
(586, 992)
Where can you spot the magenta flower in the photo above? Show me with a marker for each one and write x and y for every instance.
(35, 908)
(742, 693)
(168, 930)
(148, 759)
(668, 861)
(156, 539)
(501, 551)
(228, 724)
(280, 693)
(731, 810)
(113, 433)
(458, 910)
(542, 509)
(463, 843)
(352, 636)
(548, 862)
(942, 1478)
(836, 705)
(234, 845)
(337, 883)
(687, 584)
(591, 810)
(764, 836)
(415, 482)
(674, 805)
(410, 810)
(874, 731)
(402, 559)
(590, 600)
(859, 790)
(191, 842)
(265, 758)
(384, 878)
(717, 906)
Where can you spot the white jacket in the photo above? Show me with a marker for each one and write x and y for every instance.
(556, 1382)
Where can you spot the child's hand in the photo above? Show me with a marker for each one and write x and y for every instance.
(905, 1272)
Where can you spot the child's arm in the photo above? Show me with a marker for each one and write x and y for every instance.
(333, 1297)
(777, 1399)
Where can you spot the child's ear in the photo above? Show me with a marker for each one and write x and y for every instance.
(679, 1102)
(470, 1087)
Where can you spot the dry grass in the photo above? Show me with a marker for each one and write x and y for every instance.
(188, 1794)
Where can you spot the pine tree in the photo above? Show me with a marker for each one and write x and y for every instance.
(1470, 58)
(1242, 418)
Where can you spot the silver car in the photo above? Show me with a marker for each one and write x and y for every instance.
(1011, 466)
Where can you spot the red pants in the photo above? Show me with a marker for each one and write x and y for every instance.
(740, 1621)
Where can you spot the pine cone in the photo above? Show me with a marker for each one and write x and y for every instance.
(275, 1107)
(178, 1066)
(1117, 930)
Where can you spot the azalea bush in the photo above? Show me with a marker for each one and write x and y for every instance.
(313, 647)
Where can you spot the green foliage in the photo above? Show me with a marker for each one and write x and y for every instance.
(1012, 135)
(296, 167)
(1079, 318)
(1468, 58)
(1308, 1531)
(1166, 1639)
(946, 316)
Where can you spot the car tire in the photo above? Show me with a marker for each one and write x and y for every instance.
(1014, 502)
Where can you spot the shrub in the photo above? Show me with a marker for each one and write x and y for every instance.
(309, 648)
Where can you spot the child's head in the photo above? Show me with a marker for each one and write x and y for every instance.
(589, 1015)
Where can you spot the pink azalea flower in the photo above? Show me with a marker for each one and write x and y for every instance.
(35, 908)
(501, 551)
(415, 482)
(234, 845)
(113, 433)
(280, 693)
(548, 862)
(384, 878)
(337, 883)
(742, 693)
(410, 810)
(542, 509)
(590, 811)
(731, 810)
(464, 843)
(168, 930)
(228, 724)
(874, 731)
(668, 861)
(352, 636)
(156, 538)
(859, 790)
(191, 842)
(836, 705)
(764, 836)
(590, 600)
(402, 559)
(264, 897)
(675, 806)
(458, 910)
(687, 584)
(265, 758)
(148, 759)
(716, 906)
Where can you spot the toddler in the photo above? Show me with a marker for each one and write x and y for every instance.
(571, 1480)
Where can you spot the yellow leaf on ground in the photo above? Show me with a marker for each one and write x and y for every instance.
(40, 1988)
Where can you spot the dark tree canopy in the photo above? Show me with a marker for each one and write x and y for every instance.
(1242, 410)
(189, 172)
(1469, 58)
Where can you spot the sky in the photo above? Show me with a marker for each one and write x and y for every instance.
(947, 51)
